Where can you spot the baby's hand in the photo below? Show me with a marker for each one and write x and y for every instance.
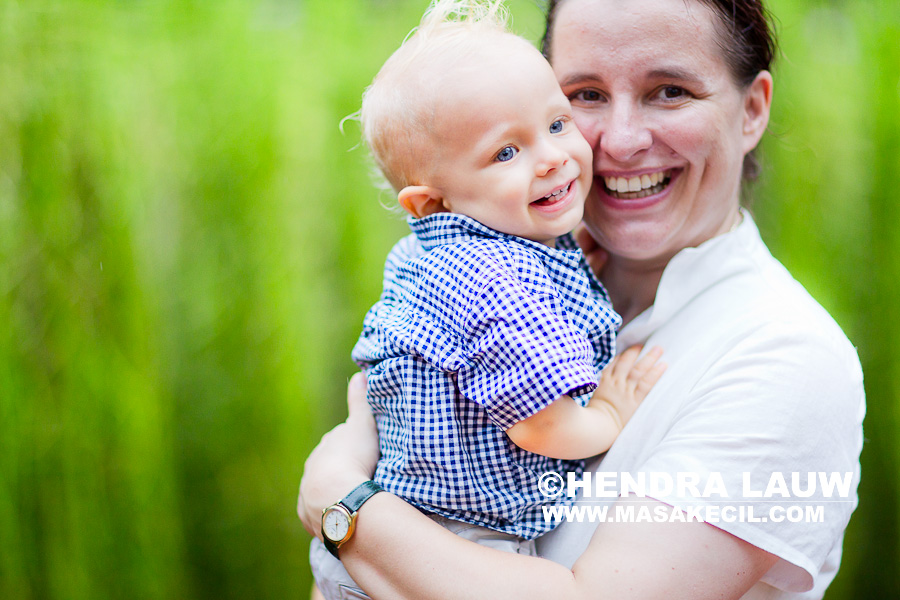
(625, 382)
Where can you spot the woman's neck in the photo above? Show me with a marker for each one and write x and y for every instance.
(631, 285)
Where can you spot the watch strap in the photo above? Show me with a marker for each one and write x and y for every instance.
(330, 546)
(358, 496)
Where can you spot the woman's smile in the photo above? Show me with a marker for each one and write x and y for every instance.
(648, 195)
(636, 186)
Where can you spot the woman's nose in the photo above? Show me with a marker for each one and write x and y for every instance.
(623, 134)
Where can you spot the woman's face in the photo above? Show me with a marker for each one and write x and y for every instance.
(669, 127)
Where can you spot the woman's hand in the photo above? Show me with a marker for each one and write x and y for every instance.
(595, 255)
(345, 457)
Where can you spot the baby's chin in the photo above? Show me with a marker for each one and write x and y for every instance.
(563, 228)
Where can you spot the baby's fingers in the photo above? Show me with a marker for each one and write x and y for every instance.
(647, 371)
(640, 367)
(623, 363)
(648, 380)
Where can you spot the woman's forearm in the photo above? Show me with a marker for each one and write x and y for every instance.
(397, 552)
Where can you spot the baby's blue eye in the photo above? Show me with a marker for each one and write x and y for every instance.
(507, 154)
(556, 126)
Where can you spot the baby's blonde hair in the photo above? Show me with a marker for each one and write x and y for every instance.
(397, 111)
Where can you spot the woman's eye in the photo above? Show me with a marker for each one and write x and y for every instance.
(588, 96)
(507, 154)
(556, 126)
(672, 92)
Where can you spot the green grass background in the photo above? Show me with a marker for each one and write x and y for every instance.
(188, 245)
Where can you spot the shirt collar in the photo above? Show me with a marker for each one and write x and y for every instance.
(452, 228)
(691, 272)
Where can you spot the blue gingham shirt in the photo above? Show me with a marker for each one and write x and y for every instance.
(475, 331)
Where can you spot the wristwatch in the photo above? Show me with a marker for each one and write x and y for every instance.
(339, 519)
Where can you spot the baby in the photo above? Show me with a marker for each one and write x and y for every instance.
(491, 330)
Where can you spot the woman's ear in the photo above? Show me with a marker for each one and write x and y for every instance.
(757, 104)
(421, 200)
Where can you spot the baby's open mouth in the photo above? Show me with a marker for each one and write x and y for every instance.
(637, 187)
(552, 197)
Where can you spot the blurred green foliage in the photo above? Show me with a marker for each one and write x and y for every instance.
(188, 245)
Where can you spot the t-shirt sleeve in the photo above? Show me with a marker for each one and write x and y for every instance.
(522, 354)
(773, 416)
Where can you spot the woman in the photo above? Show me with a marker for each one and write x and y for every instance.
(761, 382)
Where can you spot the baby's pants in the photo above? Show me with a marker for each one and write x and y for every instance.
(335, 583)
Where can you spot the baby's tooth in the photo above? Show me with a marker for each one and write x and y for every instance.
(645, 181)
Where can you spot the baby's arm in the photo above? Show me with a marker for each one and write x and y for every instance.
(568, 431)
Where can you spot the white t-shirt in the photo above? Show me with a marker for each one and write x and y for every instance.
(760, 380)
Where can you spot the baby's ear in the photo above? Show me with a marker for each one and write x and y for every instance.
(421, 200)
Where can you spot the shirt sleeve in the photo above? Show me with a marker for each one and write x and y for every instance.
(778, 405)
(522, 353)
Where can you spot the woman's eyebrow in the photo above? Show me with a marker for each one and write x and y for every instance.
(674, 73)
(658, 73)
(579, 78)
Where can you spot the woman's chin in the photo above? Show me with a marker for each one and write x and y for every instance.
(647, 238)
(649, 250)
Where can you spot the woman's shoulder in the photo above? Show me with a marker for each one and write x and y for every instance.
(738, 311)
(743, 290)
(785, 306)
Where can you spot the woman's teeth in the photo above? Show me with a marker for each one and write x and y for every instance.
(637, 187)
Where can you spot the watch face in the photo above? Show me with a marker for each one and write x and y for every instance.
(335, 524)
